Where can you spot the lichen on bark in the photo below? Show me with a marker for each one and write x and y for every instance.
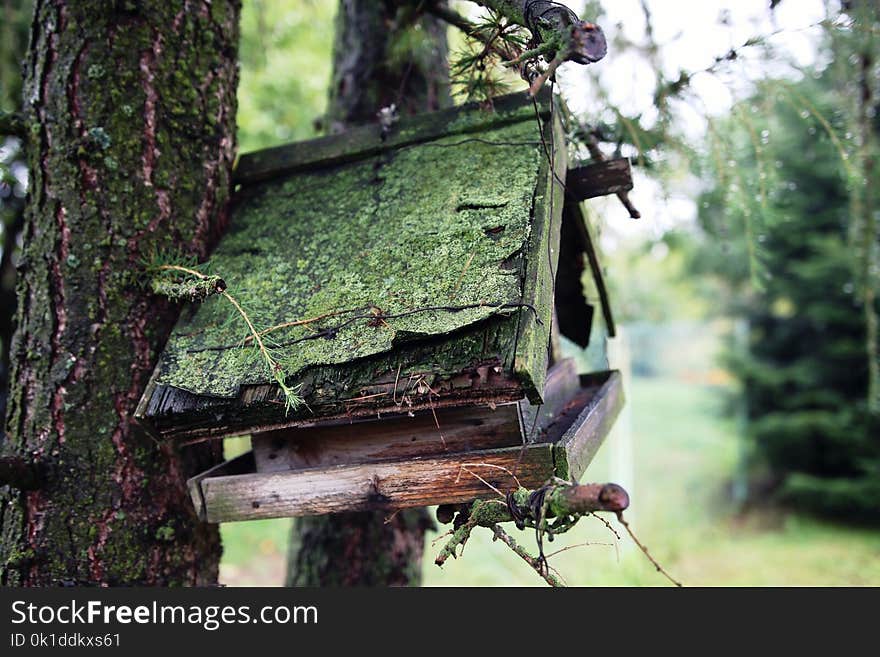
(131, 110)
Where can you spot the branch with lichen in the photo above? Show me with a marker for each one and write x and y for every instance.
(560, 501)
(563, 501)
(557, 35)
(537, 564)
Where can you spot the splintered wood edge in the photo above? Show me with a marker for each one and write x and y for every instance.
(375, 486)
(577, 447)
(195, 429)
(364, 141)
(586, 234)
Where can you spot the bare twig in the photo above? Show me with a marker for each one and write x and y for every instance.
(577, 545)
(463, 468)
(302, 322)
(644, 550)
(490, 465)
(546, 75)
(607, 524)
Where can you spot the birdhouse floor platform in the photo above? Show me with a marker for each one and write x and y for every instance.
(441, 456)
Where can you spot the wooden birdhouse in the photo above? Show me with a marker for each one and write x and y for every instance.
(408, 283)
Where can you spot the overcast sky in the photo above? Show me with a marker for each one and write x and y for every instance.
(690, 34)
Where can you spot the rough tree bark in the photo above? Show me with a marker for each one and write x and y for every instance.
(130, 108)
(385, 53)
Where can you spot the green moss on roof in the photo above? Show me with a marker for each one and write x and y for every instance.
(443, 223)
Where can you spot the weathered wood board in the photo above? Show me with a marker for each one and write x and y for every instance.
(599, 179)
(597, 405)
(374, 486)
(427, 433)
(567, 431)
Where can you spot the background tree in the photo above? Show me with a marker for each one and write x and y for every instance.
(129, 115)
(13, 42)
(385, 53)
(796, 206)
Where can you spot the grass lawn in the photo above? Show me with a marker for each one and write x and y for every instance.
(683, 454)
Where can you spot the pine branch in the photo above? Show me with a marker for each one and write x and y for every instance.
(196, 285)
(553, 23)
(558, 35)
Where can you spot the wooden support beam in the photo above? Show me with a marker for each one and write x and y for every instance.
(599, 179)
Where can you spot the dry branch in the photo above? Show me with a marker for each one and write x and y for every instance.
(556, 26)
(558, 35)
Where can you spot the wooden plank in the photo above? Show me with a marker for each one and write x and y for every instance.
(237, 466)
(542, 258)
(599, 179)
(427, 433)
(576, 448)
(463, 429)
(375, 486)
(365, 141)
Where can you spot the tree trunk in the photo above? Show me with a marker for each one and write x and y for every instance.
(130, 107)
(385, 53)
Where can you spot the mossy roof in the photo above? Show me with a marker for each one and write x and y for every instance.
(429, 230)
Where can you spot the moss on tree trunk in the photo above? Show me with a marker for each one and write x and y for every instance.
(385, 53)
(130, 108)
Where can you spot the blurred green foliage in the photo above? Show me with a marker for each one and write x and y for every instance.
(285, 54)
(14, 23)
(15, 16)
(781, 214)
